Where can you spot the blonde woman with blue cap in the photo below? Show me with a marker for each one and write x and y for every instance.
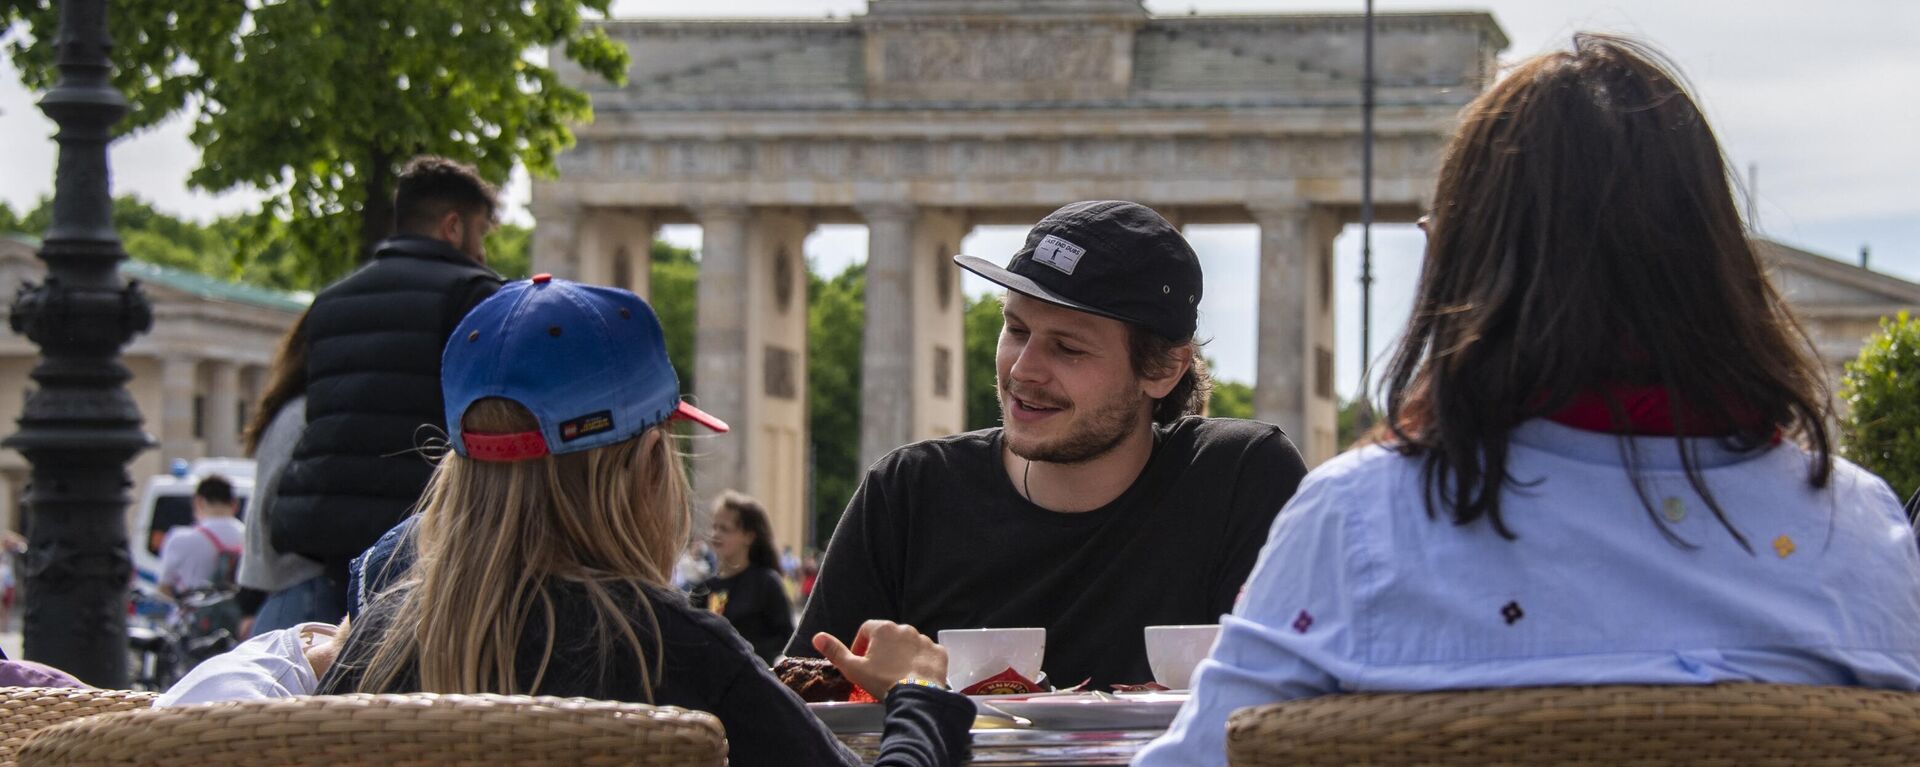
(543, 549)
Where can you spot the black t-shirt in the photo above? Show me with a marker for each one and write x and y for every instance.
(705, 667)
(754, 600)
(939, 538)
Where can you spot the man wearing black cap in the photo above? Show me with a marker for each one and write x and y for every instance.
(1102, 505)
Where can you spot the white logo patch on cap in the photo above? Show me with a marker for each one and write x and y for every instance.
(1058, 253)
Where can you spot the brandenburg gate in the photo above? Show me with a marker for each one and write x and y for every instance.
(925, 118)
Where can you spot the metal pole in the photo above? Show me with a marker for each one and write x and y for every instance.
(1366, 220)
(80, 427)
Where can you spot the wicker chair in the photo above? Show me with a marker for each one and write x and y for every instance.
(418, 730)
(27, 710)
(1729, 725)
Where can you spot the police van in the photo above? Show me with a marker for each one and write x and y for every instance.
(167, 503)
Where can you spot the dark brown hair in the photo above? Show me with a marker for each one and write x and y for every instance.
(1152, 355)
(286, 379)
(1585, 236)
(431, 186)
(753, 519)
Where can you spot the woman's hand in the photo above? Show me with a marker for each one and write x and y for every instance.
(883, 653)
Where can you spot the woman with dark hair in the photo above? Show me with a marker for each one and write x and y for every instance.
(1605, 458)
(748, 589)
(297, 588)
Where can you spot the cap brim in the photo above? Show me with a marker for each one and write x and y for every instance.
(1014, 282)
(686, 412)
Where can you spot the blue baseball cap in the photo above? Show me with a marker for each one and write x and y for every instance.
(589, 362)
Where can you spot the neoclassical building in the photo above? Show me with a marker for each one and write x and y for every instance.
(196, 374)
(925, 118)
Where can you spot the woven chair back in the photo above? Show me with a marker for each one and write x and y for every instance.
(1728, 725)
(418, 730)
(27, 710)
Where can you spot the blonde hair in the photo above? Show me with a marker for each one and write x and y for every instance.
(492, 536)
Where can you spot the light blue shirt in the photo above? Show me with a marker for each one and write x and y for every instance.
(1358, 590)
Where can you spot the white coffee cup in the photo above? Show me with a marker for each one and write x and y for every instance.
(1174, 651)
(976, 654)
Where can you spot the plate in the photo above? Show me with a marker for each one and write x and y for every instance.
(842, 717)
(1096, 711)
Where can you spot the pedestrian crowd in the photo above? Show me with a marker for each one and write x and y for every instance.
(1604, 458)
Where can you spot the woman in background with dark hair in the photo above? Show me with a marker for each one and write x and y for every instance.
(747, 588)
(297, 588)
(1605, 458)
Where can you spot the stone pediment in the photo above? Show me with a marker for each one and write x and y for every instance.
(1816, 284)
(1040, 54)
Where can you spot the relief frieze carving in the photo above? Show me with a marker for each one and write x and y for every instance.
(1080, 157)
(998, 55)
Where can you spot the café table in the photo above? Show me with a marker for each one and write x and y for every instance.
(1046, 731)
(1034, 747)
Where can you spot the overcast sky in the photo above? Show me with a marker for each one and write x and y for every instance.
(1821, 96)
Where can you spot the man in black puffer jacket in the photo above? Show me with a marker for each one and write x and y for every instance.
(373, 375)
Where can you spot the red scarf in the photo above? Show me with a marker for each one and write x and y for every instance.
(1649, 412)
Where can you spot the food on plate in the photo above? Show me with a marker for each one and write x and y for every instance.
(815, 679)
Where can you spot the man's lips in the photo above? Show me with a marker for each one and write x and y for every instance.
(1029, 410)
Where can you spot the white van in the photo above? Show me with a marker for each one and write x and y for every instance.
(167, 502)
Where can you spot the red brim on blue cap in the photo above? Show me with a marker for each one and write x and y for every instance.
(528, 445)
(687, 412)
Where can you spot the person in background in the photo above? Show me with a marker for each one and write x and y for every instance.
(543, 548)
(1104, 503)
(296, 587)
(748, 590)
(373, 375)
(1605, 457)
(204, 554)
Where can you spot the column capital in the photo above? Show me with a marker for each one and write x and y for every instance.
(1268, 210)
(713, 212)
(887, 211)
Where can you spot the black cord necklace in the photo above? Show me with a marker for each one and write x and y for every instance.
(1026, 483)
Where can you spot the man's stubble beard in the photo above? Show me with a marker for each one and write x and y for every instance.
(1107, 426)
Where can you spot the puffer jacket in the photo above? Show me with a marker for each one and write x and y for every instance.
(373, 397)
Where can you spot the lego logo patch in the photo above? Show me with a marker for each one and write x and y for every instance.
(1058, 253)
(592, 423)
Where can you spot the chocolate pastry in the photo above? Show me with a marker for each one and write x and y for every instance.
(815, 679)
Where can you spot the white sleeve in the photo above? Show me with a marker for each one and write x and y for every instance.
(175, 551)
(1290, 636)
(271, 665)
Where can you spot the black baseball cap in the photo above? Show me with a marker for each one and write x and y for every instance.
(1113, 258)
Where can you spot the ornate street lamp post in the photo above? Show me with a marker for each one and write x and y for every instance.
(80, 427)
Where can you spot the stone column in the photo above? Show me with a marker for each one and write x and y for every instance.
(556, 224)
(774, 435)
(886, 357)
(178, 385)
(720, 347)
(633, 256)
(939, 327)
(223, 409)
(1281, 366)
(609, 243)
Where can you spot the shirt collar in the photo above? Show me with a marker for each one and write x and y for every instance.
(1654, 453)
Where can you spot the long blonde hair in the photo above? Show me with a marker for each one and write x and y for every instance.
(492, 536)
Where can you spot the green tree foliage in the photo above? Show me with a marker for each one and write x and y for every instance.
(1231, 399)
(982, 337)
(1881, 427)
(320, 103)
(10, 221)
(509, 251)
(836, 315)
(674, 291)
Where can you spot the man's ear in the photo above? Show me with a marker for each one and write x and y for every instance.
(1158, 387)
(450, 227)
